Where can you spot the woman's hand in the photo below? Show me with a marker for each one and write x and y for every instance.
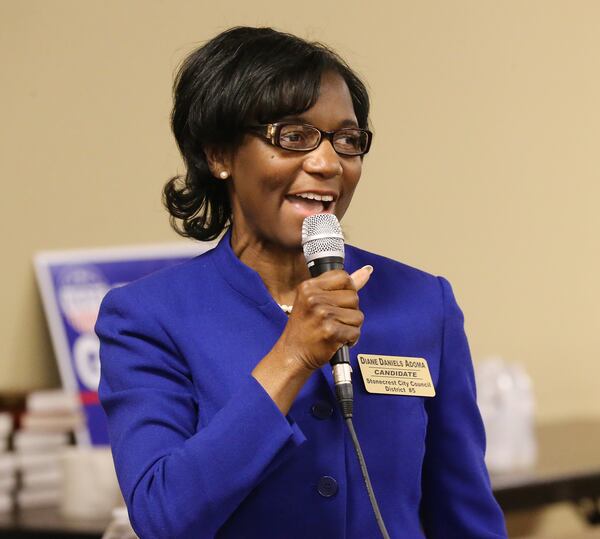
(325, 317)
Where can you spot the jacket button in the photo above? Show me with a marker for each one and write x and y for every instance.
(327, 486)
(322, 409)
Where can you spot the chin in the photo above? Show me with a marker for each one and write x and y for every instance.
(288, 238)
(293, 243)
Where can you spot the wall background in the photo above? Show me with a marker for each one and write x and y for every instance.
(484, 168)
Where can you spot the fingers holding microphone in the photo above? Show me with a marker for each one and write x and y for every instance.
(326, 316)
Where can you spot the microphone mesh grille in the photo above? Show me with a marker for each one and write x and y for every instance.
(322, 236)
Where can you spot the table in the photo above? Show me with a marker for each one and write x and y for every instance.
(48, 523)
(568, 469)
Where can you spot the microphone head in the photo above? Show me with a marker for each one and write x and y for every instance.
(322, 236)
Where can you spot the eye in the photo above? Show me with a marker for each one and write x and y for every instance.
(293, 136)
(298, 137)
(349, 139)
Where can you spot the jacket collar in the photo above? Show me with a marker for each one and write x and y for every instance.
(242, 278)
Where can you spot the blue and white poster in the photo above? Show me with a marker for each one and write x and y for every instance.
(72, 285)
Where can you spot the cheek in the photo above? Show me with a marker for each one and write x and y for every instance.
(352, 178)
(258, 175)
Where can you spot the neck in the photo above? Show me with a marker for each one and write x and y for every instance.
(282, 270)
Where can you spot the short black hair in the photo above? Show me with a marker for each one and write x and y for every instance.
(242, 76)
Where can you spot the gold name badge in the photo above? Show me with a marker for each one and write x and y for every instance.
(396, 375)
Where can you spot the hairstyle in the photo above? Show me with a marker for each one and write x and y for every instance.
(242, 76)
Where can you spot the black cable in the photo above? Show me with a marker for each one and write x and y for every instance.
(345, 400)
(365, 474)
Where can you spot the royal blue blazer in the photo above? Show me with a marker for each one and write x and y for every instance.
(201, 450)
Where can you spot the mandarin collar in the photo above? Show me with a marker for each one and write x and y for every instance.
(242, 278)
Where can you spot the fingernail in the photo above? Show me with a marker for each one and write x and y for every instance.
(369, 268)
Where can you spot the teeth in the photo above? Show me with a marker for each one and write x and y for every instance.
(314, 196)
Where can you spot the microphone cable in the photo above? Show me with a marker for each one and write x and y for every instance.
(346, 408)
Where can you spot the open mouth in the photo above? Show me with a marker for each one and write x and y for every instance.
(311, 202)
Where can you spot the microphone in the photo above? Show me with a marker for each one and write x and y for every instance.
(323, 245)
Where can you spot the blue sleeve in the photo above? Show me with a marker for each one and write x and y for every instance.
(179, 481)
(457, 497)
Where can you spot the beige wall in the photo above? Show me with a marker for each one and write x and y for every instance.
(484, 169)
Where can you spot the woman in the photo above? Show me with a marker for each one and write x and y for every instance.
(220, 405)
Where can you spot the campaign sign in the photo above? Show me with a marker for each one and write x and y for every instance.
(72, 285)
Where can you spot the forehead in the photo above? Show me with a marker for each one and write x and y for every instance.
(333, 108)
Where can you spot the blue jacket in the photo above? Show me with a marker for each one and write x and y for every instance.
(202, 451)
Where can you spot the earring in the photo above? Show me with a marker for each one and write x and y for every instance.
(223, 174)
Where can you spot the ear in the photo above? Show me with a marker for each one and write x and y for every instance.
(218, 160)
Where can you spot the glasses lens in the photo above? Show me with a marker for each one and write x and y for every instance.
(350, 141)
(298, 137)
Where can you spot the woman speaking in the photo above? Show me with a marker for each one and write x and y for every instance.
(215, 376)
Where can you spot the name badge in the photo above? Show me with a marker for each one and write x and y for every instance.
(396, 375)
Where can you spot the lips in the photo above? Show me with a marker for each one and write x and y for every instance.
(306, 205)
(309, 203)
(327, 197)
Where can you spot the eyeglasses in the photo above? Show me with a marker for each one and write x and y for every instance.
(304, 137)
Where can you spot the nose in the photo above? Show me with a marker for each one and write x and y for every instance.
(323, 161)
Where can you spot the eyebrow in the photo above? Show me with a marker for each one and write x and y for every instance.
(345, 123)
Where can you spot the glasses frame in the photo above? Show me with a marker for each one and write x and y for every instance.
(271, 132)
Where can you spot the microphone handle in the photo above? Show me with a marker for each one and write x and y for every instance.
(318, 267)
(340, 362)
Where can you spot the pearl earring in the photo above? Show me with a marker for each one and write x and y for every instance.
(223, 174)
